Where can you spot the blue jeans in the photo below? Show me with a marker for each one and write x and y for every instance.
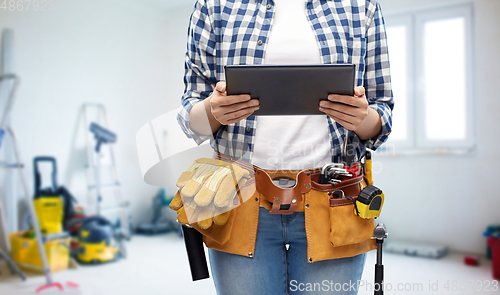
(274, 270)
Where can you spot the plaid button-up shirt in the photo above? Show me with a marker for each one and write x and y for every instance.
(227, 32)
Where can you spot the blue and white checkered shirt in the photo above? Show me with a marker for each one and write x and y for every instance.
(235, 32)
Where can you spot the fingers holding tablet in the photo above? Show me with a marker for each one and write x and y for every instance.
(229, 109)
(348, 111)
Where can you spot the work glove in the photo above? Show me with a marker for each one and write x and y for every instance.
(207, 192)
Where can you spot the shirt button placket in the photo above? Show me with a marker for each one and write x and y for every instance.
(267, 21)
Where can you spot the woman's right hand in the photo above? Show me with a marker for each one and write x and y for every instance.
(229, 109)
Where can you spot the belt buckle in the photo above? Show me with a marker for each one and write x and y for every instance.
(284, 193)
(280, 206)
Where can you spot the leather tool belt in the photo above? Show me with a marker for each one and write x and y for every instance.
(283, 189)
(288, 200)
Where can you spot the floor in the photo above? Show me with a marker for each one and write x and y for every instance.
(158, 265)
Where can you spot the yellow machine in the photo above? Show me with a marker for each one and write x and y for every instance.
(97, 241)
(96, 253)
(50, 213)
(53, 205)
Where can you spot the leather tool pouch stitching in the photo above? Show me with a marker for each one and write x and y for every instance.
(219, 233)
(346, 228)
(222, 233)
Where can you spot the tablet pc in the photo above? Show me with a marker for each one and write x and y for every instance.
(290, 89)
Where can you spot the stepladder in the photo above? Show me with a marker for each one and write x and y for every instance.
(104, 187)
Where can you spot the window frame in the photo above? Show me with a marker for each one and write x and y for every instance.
(415, 20)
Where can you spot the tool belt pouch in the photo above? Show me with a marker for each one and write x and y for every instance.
(346, 228)
(210, 191)
(219, 233)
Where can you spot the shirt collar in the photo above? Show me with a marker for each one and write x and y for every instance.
(308, 1)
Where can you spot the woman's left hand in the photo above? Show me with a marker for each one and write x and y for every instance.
(348, 111)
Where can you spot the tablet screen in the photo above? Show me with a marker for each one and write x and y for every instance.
(290, 89)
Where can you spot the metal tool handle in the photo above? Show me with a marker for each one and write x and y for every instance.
(24, 186)
(12, 265)
(58, 236)
(379, 279)
(10, 99)
(31, 208)
(379, 270)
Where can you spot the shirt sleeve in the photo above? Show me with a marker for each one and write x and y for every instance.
(377, 78)
(199, 76)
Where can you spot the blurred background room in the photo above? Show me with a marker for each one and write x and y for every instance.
(79, 79)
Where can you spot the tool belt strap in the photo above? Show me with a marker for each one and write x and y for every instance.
(245, 165)
(288, 200)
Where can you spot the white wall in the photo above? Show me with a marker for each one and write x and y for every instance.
(131, 59)
(451, 199)
(119, 53)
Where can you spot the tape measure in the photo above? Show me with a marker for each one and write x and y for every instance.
(369, 203)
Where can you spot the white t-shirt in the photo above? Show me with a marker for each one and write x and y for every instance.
(291, 142)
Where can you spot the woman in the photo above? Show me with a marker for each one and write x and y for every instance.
(286, 253)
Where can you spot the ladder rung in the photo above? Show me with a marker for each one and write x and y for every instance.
(61, 235)
(115, 208)
(4, 164)
(107, 185)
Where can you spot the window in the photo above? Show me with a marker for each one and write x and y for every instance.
(431, 69)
